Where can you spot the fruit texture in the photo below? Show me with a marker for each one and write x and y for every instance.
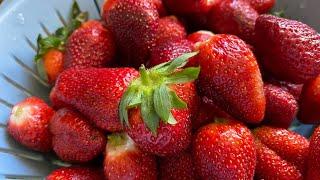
(262, 6)
(75, 173)
(314, 156)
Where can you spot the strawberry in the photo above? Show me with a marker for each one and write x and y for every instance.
(134, 25)
(283, 147)
(281, 106)
(28, 124)
(124, 160)
(200, 36)
(224, 150)
(291, 49)
(235, 17)
(190, 6)
(310, 102)
(95, 92)
(76, 173)
(91, 45)
(169, 50)
(262, 6)
(52, 65)
(230, 77)
(160, 7)
(180, 166)
(293, 89)
(74, 139)
(314, 156)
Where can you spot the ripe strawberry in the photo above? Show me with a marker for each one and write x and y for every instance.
(28, 124)
(262, 6)
(281, 106)
(95, 92)
(310, 102)
(293, 89)
(91, 45)
(235, 17)
(124, 160)
(74, 139)
(290, 147)
(168, 51)
(52, 65)
(291, 48)
(190, 6)
(200, 36)
(180, 166)
(160, 7)
(231, 78)
(75, 173)
(169, 29)
(314, 156)
(224, 150)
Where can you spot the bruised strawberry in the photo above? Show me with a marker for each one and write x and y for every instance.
(95, 92)
(200, 36)
(262, 6)
(281, 106)
(74, 138)
(76, 173)
(291, 49)
(91, 45)
(235, 17)
(314, 156)
(124, 160)
(224, 150)
(28, 124)
(170, 29)
(190, 6)
(310, 102)
(230, 77)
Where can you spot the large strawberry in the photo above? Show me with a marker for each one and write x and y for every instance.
(262, 6)
(124, 160)
(74, 139)
(310, 102)
(28, 124)
(281, 150)
(231, 78)
(91, 45)
(75, 173)
(290, 48)
(314, 156)
(235, 17)
(95, 92)
(224, 150)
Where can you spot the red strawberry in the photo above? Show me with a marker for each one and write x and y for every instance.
(290, 147)
(180, 166)
(169, 29)
(95, 92)
(281, 106)
(200, 36)
(75, 173)
(28, 124)
(134, 24)
(310, 102)
(160, 7)
(293, 89)
(291, 49)
(74, 138)
(235, 17)
(314, 156)
(224, 150)
(190, 6)
(230, 77)
(91, 45)
(124, 160)
(262, 6)
(168, 51)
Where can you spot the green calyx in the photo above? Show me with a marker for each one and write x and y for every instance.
(280, 13)
(152, 93)
(117, 139)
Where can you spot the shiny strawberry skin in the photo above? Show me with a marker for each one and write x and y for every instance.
(95, 92)
(314, 156)
(310, 102)
(200, 36)
(230, 77)
(92, 45)
(224, 150)
(28, 124)
(170, 29)
(293, 89)
(189, 6)
(77, 173)
(262, 6)
(74, 138)
(235, 17)
(291, 49)
(281, 106)
(160, 7)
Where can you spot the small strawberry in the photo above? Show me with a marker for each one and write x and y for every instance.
(291, 49)
(52, 65)
(235, 17)
(224, 150)
(262, 6)
(290, 147)
(293, 89)
(74, 139)
(314, 156)
(124, 160)
(230, 77)
(281, 106)
(28, 124)
(200, 36)
(75, 173)
(91, 45)
(310, 102)
(95, 92)
(189, 6)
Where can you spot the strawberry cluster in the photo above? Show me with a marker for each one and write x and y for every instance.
(146, 93)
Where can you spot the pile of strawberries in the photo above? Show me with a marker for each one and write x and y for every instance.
(156, 97)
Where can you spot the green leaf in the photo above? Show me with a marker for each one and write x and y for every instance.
(135, 101)
(75, 10)
(172, 120)
(279, 13)
(180, 61)
(183, 76)
(176, 102)
(124, 102)
(149, 115)
(161, 101)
